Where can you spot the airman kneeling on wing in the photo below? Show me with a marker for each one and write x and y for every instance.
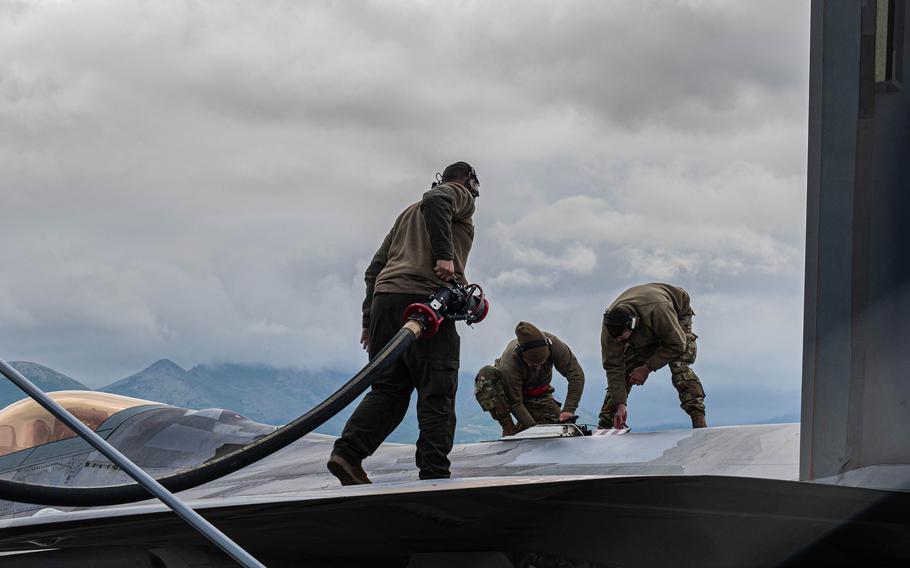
(518, 383)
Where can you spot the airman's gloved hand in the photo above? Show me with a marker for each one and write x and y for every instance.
(620, 416)
(639, 375)
(444, 270)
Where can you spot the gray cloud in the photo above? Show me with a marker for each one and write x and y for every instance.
(207, 181)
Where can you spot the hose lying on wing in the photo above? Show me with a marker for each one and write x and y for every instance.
(229, 463)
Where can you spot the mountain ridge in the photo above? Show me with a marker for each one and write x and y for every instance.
(45, 378)
(277, 395)
(273, 395)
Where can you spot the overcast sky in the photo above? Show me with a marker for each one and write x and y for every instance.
(206, 181)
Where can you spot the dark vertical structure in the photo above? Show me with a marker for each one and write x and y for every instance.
(856, 353)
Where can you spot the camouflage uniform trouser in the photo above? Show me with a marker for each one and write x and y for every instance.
(685, 381)
(491, 394)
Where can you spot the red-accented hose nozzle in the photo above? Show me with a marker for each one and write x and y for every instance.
(456, 302)
(425, 316)
(479, 315)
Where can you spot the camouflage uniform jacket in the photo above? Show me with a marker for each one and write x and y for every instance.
(518, 377)
(438, 227)
(657, 339)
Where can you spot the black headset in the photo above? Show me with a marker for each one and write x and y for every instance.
(627, 322)
(533, 344)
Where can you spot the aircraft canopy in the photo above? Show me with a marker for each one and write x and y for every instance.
(25, 424)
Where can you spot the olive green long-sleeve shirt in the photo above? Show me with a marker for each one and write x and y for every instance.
(518, 376)
(657, 339)
(438, 227)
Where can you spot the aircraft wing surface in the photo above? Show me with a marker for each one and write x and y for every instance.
(710, 497)
(760, 451)
(586, 521)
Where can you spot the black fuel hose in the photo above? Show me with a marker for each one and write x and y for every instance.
(229, 463)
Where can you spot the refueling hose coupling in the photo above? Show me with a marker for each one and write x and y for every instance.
(457, 302)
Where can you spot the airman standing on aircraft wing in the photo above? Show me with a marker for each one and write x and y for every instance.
(427, 247)
(645, 328)
(518, 383)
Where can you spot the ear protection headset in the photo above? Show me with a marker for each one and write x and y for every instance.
(616, 320)
(534, 344)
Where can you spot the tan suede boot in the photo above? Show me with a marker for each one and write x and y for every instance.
(698, 421)
(346, 472)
